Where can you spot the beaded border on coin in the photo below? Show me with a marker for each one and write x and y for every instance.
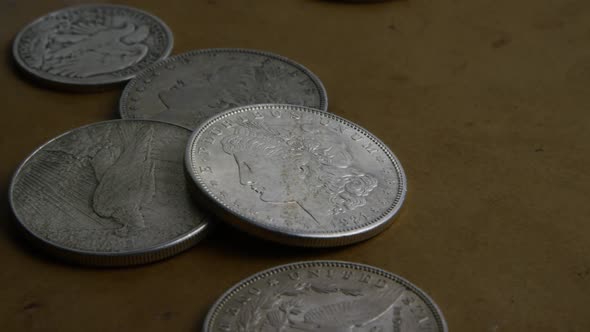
(278, 234)
(139, 81)
(227, 295)
(85, 257)
(79, 84)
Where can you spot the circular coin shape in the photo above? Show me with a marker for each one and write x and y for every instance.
(325, 296)
(189, 88)
(110, 193)
(296, 175)
(91, 45)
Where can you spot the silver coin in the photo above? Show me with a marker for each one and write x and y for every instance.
(111, 193)
(187, 89)
(325, 296)
(296, 175)
(91, 45)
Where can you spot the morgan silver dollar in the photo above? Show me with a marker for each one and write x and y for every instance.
(296, 175)
(111, 193)
(187, 89)
(91, 45)
(327, 296)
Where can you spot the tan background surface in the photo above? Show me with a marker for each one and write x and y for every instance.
(486, 104)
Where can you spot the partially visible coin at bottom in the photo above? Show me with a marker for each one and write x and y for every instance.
(296, 175)
(325, 296)
(110, 193)
(91, 45)
(188, 88)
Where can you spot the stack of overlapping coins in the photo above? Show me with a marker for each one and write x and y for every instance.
(214, 135)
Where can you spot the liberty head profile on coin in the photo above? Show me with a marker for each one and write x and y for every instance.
(296, 175)
(91, 45)
(305, 165)
(188, 88)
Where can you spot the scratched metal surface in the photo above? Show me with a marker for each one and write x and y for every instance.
(296, 175)
(486, 104)
(189, 88)
(326, 296)
(112, 191)
(91, 45)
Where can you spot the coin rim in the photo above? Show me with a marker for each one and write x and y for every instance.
(123, 101)
(237, 287)
(130, 257)
(283, 234)
(66, 82)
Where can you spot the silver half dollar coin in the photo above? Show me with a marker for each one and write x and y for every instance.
(91, 45)
(327, 296)
(187, 89)
(110, 193)
(296, 175)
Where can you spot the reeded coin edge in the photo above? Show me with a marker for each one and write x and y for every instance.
(84, 83)
(226, 296)
(120, 258)
(123, 101)
(302, 237)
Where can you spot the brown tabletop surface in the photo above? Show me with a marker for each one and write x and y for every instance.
(485, 103)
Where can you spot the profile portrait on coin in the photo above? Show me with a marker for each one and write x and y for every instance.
(308, 166)
(191, 99)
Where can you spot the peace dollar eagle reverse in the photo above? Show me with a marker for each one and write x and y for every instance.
(328, 296)
(91, 45)
(188, 88)
(296, 175)
(110, 193)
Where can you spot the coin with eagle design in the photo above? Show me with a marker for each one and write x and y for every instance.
(91, 45)
(331, 296)
(110, 193)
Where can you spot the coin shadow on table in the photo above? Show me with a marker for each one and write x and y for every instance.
(21, 75)
(37, 82)
(15, 235)
(357, 2)
(228, 241)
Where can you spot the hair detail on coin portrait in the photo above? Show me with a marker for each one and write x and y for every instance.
(307, 165)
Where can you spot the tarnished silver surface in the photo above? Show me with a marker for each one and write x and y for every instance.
(296, 175)
(327, 296)
(92, 45)
(111, 193)
(187, 89)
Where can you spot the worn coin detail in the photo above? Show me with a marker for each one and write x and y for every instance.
(110, 193)
(187, 89)
(92, 45)
(296, 175)
(329, 296)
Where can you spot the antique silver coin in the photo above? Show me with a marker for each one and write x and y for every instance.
(110, 193)
(91, 45)
(187, 89)
(296, 175)
(328, 296)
